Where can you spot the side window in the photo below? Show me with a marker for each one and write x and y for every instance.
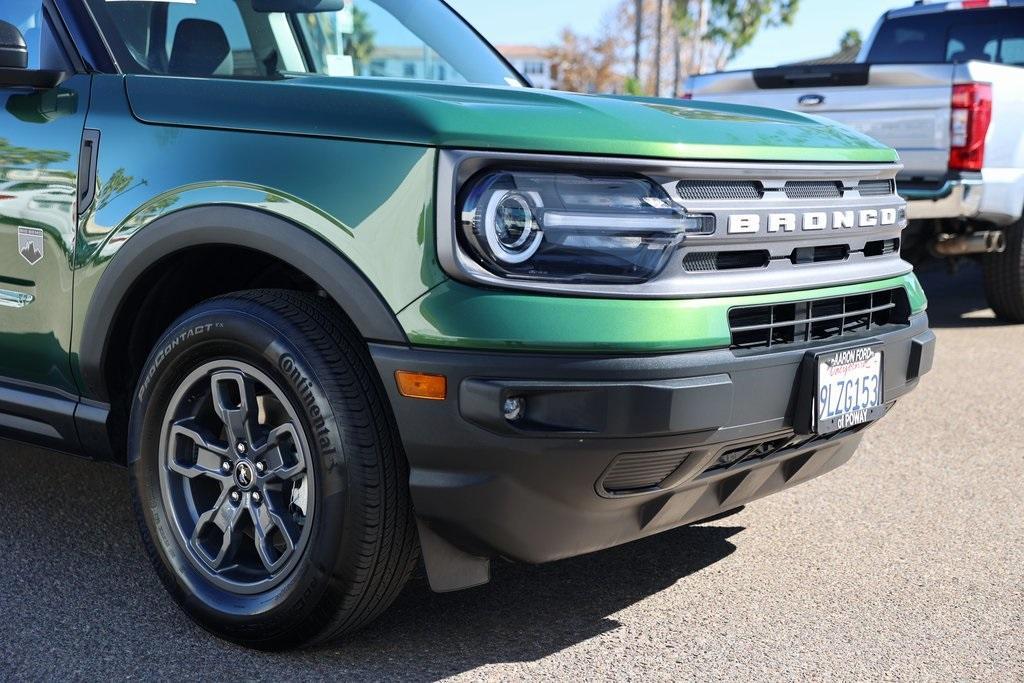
(208, 36)
(211, 38)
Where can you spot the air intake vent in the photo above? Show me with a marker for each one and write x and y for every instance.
(830, 252)
(637, 471)
(814, 189)
(876, 188)
(881, 247)
(767, 327)
(696, 190)
(709, 261)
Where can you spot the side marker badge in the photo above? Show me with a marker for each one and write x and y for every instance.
(30, 244)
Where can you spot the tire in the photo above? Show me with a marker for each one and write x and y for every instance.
(320, 538)
(1004, 276)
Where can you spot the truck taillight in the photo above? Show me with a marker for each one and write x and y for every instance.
(971, 116)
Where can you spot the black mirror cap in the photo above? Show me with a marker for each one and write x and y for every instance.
(298, 5)
(13, 50)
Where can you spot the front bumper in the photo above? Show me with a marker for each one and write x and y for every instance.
(610, 449)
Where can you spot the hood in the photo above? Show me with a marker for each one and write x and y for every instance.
(497, 118)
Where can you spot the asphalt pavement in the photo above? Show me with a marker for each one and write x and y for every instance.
(907, 563)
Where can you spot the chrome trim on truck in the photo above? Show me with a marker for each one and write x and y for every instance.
(960, 198)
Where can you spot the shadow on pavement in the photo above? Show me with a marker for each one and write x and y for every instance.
(79, 595)
(957, 300)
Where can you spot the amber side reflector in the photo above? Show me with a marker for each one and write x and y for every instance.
(419, 385)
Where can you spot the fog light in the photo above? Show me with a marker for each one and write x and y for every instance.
(513, 408)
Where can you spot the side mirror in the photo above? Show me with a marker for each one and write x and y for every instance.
(13, 50)
(14, 69)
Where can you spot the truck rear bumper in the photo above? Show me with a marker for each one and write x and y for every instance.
(610, 449)
(955, 198)
(996, 195)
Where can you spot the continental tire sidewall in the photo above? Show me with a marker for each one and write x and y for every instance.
(213, 332)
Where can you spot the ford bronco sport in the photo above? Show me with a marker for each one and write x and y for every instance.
(342, 291)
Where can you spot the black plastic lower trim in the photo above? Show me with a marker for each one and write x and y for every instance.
(695, 434)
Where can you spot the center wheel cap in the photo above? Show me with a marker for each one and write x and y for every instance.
(245, 475)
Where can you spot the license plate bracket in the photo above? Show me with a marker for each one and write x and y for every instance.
(848, 388)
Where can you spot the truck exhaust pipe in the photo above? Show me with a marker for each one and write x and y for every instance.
(982, 242)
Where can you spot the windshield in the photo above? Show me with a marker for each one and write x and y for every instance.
(399, 39)
(989, 35)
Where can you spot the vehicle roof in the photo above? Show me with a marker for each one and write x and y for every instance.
(922, 7)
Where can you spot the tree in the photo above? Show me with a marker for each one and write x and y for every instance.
(851, 40)
(585, 64)
(361, 44)
(734, 23)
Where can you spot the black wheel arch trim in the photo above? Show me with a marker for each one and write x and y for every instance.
(227, 225)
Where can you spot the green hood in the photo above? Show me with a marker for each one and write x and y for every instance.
(519, 119)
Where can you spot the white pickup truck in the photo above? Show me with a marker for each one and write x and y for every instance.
(943, 84)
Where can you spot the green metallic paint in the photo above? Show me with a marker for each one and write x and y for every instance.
(39, 147)
(354, 163)
(484, 117)
(458, 315)
(371, 202)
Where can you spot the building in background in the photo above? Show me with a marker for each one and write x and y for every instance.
(533, 62)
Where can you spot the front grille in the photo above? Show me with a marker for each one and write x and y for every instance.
(696, 190)
(882, 247)
(876, 188)
(632, 472)
(753, 452)
(768, 327)
(828, 252)
(709, 261)
(814, 189)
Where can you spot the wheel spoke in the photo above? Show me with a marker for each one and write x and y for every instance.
(234, 399)
(206, 453)
(225, 516)
(283, 454)
(265, 521)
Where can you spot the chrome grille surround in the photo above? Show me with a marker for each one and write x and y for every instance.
(456, 168)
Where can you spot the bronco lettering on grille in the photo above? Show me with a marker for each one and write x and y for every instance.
(753, 223)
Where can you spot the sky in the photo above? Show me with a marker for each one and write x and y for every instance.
(815, 32)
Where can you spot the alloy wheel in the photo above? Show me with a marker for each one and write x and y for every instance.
(236, 476)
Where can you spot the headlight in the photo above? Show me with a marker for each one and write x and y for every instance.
(567, 227)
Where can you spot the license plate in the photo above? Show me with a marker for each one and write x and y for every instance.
(849, 388)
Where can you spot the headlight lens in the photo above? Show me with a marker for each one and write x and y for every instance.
(573, 228)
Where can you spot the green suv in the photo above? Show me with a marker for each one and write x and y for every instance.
(342, 291)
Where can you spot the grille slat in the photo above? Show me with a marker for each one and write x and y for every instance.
(709, 190)
(707, 261)
(814, 189)
(633, 471)
(766, 327)
(876, 188)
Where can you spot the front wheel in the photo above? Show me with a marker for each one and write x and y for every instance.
(267, 475)
(1004, 276)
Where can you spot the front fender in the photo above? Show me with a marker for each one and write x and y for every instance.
(242, 226)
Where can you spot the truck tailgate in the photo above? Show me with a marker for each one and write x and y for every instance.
(903, 106)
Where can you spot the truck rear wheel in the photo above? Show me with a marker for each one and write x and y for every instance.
(1004, 276)
(267, 475)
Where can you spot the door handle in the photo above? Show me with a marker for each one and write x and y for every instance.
(87, 169)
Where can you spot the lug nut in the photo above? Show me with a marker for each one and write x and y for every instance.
(241, 447)
(261, 467)
(513, 408)
(225, 467)
(256, 497)
(235, 496)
